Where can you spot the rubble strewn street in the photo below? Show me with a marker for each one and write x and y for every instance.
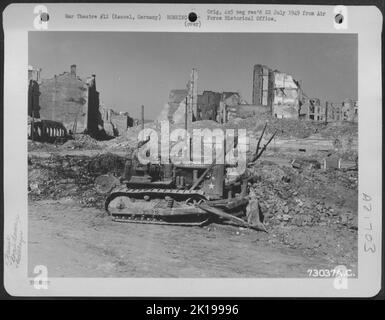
(310, 211)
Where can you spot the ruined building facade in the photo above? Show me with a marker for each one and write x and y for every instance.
(262, 77)
(208, 105)
(115, 123)
(274, 93)
(68, 99)
(313, 110)
(40, 129)
(276, 90)
(345, 111)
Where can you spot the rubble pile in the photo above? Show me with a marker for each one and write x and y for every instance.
(129, 139)
(83, 142)
(343, 129)
(305, 198)
(290, 128)
(41, 146)
(70, 176)
(286, 128)
(294, 129)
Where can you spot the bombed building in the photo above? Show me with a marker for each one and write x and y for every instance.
(278, 91)
(68, 99)
(313, 110)
(274, 93)
(38, 129)
(208, 105)
(115, 123)
(346, 110)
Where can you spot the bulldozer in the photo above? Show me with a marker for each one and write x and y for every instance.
(181, 194)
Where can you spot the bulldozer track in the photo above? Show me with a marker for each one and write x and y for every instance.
(130, 192)
(166, 217)
(155, 220)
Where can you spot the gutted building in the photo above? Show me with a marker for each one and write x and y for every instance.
(261, 77)
(349, 110)
(215, 105)
(278, 91)
(115, 123)
(286, 92)
(208, 105)
(345, 111)
(68, 99)
(312, 109)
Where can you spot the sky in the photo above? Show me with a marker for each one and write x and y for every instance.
(140, 68)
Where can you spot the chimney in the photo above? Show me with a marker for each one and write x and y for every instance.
(73, 70)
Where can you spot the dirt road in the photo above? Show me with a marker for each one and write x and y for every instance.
(83, 242)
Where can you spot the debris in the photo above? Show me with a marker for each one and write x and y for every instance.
(296, 164)
(332, 162)
(286, 217)
(303, 163)
(286, 179)
(105, 183)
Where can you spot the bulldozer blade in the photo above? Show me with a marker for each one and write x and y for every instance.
(239, 221)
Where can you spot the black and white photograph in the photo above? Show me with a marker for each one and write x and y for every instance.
(192, 150)
(97, 209)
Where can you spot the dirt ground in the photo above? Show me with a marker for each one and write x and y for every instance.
(83, 242)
